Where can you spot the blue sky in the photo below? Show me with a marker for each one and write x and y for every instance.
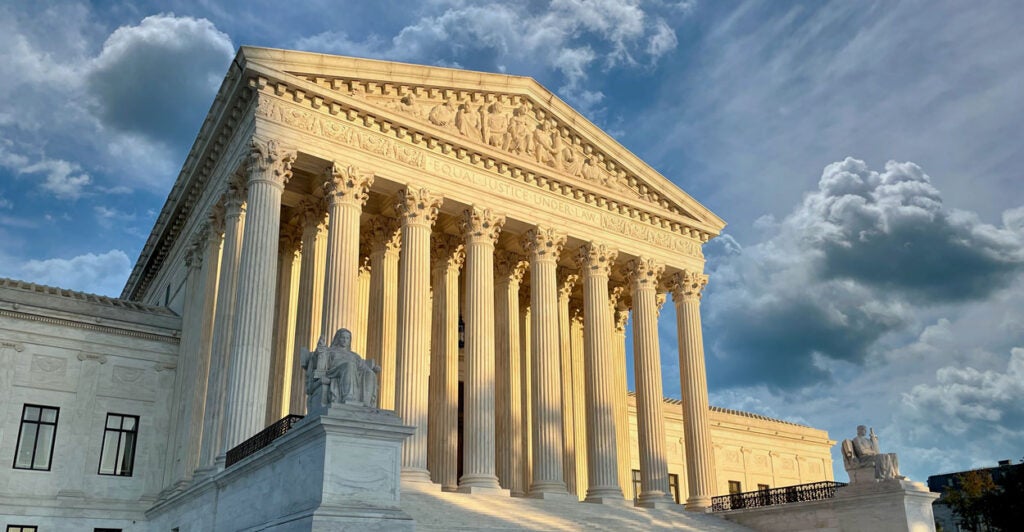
(867, 156)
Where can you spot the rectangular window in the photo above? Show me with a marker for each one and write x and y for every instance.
(673, 486)
(762, 487)
(117, 456)
(735, 487)
(35, 437)
(21, 528)
(636, 484)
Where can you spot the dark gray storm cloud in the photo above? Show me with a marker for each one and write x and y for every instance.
(858, 259)
(157, 79)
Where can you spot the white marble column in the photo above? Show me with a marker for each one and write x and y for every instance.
(220, 353)
(363, 305)
(620, 316)
(418, 209)
(700, 459)
(210, 273)
(595, 262)
(480, 229)
(279, 387)
(509, 269)
(566, 282)
(269, 170)
(443, 415)
(526, 393)
(644, 275)
(182, 430)
(579, 399)
(545, 246)
(385, 240)
(346, 189)
(309, 306)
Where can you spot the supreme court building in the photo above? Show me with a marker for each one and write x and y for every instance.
(484, 243)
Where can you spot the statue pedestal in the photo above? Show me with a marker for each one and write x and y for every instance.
(884, 506)
(338, 470)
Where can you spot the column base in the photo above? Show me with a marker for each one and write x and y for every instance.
(656, 500)
(701, 503)
(563, 497)
(416, 475)
(483, 490)
(416, 485)
(610, 500)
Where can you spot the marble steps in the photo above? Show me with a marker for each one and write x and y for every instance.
(442, 511)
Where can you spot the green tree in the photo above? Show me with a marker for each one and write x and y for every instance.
(971, 498)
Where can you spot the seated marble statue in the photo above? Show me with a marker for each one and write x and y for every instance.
(340, 375)
(865, 462)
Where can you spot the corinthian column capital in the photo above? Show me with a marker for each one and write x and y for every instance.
(481, 225)
(234, 196)
(311, 213)
(644, 272)
(545, 243)
(269, 161)
(290, 238)
(215, 221)
(510, 266)
(688, 285)
(449, 253)
(596, 259)
(347, 184)
(418, 206)
(566, 281)
(384, 235)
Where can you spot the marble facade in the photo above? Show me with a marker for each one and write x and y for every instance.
(423, 208)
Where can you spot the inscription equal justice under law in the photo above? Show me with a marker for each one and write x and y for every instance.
(350, 135)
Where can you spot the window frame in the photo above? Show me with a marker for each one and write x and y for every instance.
(673, 486)
(739, 487)
(121, 432)
(35, 441)
(22, 528)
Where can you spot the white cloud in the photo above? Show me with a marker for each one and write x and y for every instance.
(157, 78)
(65, 180)
(102, 274)
(862, 257)
(570, 37)
(779, 90)
(963, 398)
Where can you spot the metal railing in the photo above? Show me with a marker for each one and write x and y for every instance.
(260, 440)
(814, 491)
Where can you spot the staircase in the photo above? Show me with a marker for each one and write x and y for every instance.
(444, 511)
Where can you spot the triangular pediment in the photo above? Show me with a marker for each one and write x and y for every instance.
(512, 117)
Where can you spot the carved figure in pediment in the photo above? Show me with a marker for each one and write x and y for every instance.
(468, 121)
(546, 145)
(443, 114)
(407, 104)
(495, 125)
(518, 138)
(590, 171)
(571, 161)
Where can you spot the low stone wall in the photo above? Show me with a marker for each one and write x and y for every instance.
(887, 506)
(338, 471)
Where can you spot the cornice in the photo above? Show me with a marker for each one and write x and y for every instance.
(393, 75)
(319, 100)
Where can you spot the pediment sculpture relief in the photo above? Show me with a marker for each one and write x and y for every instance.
(512, 124)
